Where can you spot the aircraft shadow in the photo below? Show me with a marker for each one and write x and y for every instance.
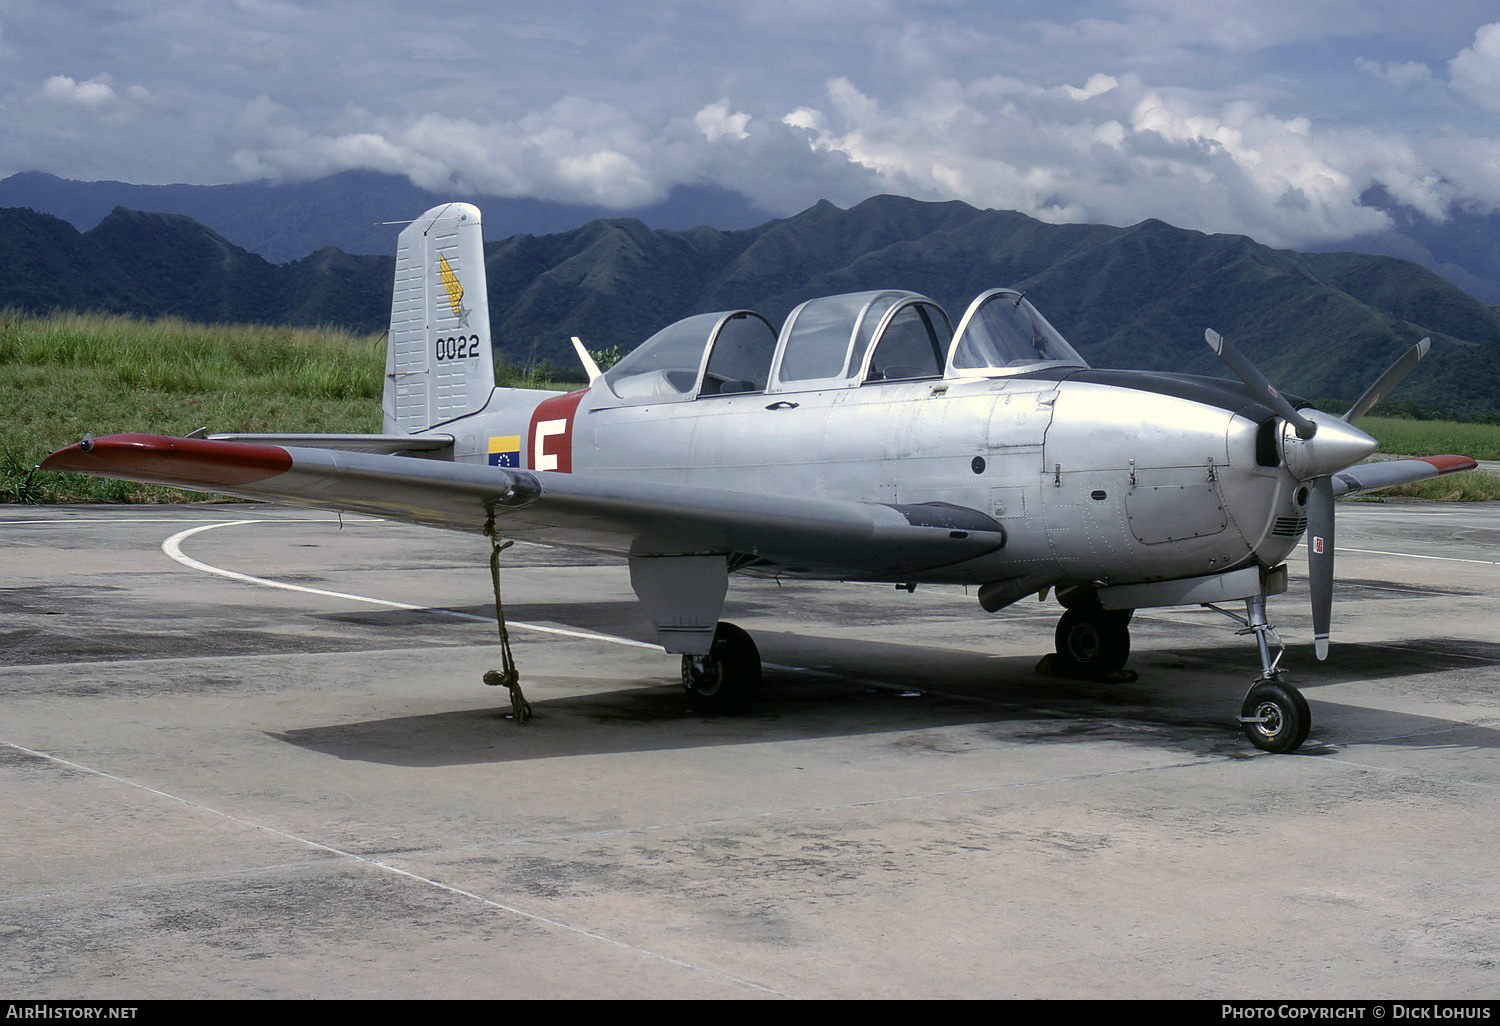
(876, 688)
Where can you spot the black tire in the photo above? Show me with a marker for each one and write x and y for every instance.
(728, 681)
(1093, 642)
(1283, 715)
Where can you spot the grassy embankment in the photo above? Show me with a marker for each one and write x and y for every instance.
(68, 375)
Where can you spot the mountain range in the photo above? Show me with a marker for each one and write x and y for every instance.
(1319, 324)
(353, 210)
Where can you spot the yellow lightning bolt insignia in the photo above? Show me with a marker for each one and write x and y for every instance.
(454, 287)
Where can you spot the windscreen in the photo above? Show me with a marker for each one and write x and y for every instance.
(666, 364)
(1003, 331)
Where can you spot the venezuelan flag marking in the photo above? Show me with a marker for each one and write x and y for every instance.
(505, 451)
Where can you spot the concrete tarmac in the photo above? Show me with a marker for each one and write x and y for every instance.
(211, 786)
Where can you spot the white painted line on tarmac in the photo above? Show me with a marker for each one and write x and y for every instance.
(1299, 555)
(173, 548)
(110, 520)
(1413, 555)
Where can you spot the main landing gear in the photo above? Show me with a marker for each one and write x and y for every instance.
(1093, 642)
(727, 680)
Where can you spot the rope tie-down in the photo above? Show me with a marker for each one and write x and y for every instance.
(508, 675)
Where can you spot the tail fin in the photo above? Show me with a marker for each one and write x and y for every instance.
(439, 365)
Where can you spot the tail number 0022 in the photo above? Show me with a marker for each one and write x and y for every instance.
(456, 347)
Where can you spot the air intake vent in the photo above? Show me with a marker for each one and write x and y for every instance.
(1289, 527)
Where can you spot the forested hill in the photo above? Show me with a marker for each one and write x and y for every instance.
(1320, 325)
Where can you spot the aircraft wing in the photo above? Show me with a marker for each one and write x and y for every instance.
(1367, 477)
(855, 540)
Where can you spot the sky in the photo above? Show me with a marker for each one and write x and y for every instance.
(1269, 118)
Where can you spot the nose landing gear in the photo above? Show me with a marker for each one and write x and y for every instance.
(1274, 715)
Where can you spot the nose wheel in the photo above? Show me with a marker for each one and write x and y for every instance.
(1275, 717)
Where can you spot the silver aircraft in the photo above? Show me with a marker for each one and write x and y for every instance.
(866, 439)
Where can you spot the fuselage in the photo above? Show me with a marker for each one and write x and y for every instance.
(1095, 476)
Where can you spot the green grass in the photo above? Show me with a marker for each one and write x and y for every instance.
(1434, 437)
(173, 356)
(67, 375)
(1472, 486)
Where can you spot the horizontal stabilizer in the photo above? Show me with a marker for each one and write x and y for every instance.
(1369, 477)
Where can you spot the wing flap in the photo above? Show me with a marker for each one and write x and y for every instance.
(1367, 477)
(824, 537)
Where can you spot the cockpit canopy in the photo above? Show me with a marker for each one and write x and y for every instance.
(836, 341)
(1003, 333)
(709, 354)
(860, 338)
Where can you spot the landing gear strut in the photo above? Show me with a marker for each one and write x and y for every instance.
(727, 680)
(1274, 715)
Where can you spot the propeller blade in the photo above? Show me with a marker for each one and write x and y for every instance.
(1320, 560)
(1389, 380)
(1258, 383)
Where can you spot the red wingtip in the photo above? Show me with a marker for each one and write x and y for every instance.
(190, 462)
(1449, 464)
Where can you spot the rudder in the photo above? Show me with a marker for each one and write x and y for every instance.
(439, 364)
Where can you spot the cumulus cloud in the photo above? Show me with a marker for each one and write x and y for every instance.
(93, 93)
(576, 150)
(715, 122)
(1400, 74)
(1097, 85)
(1113, 149)
(1475, 72)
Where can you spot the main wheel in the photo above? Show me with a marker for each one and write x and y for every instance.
(1093, 641)
(1275, 717)
(727, 680)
